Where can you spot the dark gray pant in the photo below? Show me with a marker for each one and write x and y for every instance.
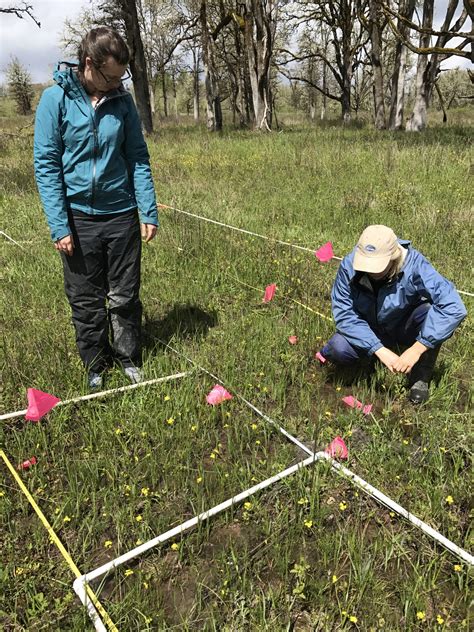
(105, 268)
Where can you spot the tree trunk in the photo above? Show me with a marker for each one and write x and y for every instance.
(417, 120)
(376, 60)
(164, 92)
(324, 100)
(397, 82)
(196, 84)
(152, 98)
(213, 100)
(259, 49)
(137, 63)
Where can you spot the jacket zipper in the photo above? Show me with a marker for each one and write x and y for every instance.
(96, 141)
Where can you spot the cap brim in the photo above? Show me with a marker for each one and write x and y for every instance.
(370, 264)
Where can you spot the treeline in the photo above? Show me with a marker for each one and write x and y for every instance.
(358, 54)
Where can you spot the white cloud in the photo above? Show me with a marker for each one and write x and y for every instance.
(36, 48)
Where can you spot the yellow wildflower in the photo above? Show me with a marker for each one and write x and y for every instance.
(139, 518)
(66, 519)
(254, 426)
(128, 572)
(342, 506)
(108, 544)
(170, 421)
(258, 442)
(19, 570)
(303, 501)
(247, 506)
(449, 499)
(118, 431)
(167, 398)
(193, 428)
(138, 542)
(353, 619)
(421, 615)
(145, 491)
(2, 493)
(457, 568)
(439, 620)
(308, 523)
(145, 585)
(175, 546)
(199, 479)
(213, 455)
(334, 579)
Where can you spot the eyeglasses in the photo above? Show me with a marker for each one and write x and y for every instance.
(109, 80)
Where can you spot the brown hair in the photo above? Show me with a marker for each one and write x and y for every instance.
(101, 43)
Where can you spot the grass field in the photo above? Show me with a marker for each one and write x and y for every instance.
(310, 553)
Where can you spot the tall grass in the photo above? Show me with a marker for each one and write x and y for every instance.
(311, 553)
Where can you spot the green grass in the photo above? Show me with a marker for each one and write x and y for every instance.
(296, 558)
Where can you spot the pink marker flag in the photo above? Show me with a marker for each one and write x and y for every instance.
(293, 340)
(325, 253)
(269, 293)
(319, 356)
(337, 449)
(352, 402)
(39, 404)
(217, 395)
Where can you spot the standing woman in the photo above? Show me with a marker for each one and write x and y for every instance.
(387, 295)
(93, 173)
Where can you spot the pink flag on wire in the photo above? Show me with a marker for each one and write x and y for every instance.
(217, 395)
(325, 253)
(319, 356)
(39, 404)
(352, 402)
(337, 449)
(293, 340)
(269, 293)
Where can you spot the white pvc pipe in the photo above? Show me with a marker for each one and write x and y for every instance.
(12, 240)
(185, 526)
(375, 493)
(79, 587)
(83, 398)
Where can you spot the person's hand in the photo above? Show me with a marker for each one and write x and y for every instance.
(65, 244)
(387, 357)
(409, 358)
(148, 232)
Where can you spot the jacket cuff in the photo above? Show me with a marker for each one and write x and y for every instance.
(378, 345)
(425, 342)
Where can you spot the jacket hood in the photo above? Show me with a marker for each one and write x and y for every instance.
(66, 77)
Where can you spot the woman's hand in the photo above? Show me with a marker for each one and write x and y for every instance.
(387, 357)
(409, 358)
(148, 232)
(65, 244)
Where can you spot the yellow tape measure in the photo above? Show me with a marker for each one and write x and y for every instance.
(92, 596)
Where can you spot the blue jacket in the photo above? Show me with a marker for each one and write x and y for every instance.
(361, 316)
(94, 161)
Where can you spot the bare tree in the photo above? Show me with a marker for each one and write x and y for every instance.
(21, 11)
(345, 49)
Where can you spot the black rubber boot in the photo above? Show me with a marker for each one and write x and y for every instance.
(420, 376)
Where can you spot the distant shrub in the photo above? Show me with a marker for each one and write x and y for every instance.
(20, 86)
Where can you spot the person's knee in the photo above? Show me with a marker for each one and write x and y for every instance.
(340, 351)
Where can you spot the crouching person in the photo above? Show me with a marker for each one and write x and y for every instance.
(387, 295)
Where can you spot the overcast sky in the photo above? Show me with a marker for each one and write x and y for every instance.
(38, 48)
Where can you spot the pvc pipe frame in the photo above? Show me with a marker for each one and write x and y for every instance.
(80, 584)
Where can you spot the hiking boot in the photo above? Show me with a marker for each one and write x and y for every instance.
(134, 375)
(95, 381)
(419, 392)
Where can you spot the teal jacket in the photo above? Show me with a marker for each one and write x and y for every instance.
(90, 160)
